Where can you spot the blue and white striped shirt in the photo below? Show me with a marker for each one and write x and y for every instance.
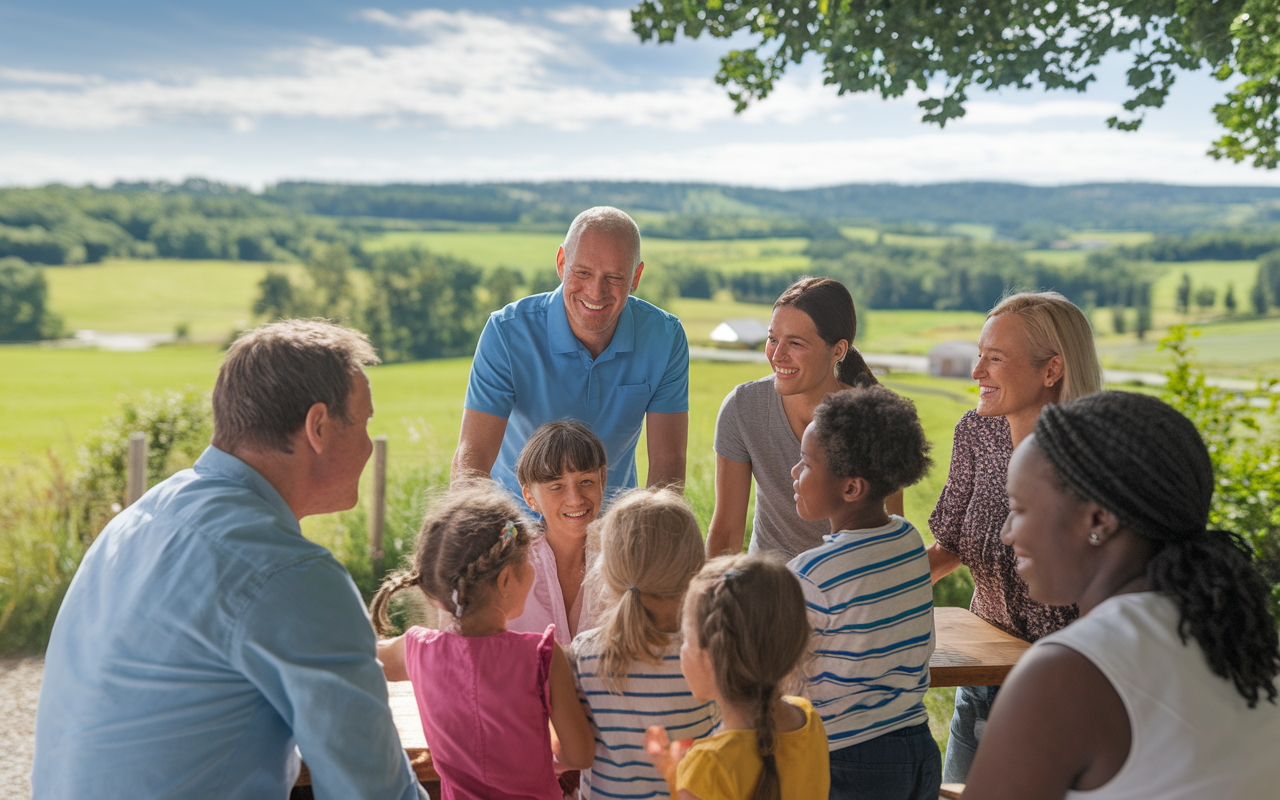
(870, 603)
(654, 694)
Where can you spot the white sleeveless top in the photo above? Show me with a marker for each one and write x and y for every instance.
(1193, 736)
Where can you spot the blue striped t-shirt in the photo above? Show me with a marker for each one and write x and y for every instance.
(870, 603)
(654, 694)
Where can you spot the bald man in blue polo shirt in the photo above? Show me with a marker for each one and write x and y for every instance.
(587, 351)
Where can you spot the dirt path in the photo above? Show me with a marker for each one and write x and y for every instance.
(19, 692)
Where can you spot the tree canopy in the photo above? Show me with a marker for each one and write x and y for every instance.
(889, 46)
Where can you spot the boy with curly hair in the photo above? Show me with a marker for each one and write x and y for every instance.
(869, 596)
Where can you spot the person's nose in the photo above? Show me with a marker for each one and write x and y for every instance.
(979, 368)
(795, 471)
(574, 495)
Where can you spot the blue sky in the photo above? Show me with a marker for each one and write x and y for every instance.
(254, 93)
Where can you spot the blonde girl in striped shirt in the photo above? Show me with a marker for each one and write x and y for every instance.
(628, 668)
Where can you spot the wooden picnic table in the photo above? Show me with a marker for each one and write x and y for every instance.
(970, 651)
(404, 710)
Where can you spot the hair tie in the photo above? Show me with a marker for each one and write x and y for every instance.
(509, 531)
(635, 590)
(457, 607)
(731, 575)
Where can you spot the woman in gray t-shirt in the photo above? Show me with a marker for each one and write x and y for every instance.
(810, 349)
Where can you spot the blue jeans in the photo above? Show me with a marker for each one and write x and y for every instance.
(900, 765)
(973, 707)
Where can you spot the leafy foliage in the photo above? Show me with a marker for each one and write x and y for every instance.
(24, 316)
(889, 47)
(1244, 446)
(178, 426)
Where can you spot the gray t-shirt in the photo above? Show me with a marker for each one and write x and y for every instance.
(752, 428)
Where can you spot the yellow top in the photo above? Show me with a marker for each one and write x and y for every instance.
(727, 766)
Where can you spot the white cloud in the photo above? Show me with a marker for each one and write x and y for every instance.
(610, 24)
(985, 112)
(41, 77)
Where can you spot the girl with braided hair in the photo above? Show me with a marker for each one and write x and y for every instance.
(744, 632)
(1166, 685)
(485, 693)
(628, 669)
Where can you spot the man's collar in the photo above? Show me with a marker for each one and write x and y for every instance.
(220, 463)
(562, 340)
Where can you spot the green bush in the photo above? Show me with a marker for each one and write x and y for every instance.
(178, 426)
(1243, 438)
(24, 316)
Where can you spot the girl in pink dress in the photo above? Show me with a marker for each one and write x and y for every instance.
(485, 693)
(562, 471)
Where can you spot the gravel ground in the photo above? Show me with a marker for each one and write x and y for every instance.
(20, 690)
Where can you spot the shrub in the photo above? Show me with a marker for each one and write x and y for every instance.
(178, 426)
(1244, 447)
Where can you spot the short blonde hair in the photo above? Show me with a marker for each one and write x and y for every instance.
(649, 545)
(1055, 327)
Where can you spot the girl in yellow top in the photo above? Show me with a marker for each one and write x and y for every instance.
(744, 631)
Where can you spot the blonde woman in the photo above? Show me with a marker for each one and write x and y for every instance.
(628, 669)
(1035, 349)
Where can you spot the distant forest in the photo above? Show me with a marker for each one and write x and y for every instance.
(323, 225)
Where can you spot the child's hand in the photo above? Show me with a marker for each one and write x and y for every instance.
(665, 754)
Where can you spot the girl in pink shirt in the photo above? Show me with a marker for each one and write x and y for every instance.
(485, 693)
(562, 471)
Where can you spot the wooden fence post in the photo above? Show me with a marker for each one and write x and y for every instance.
(378, 514)
(136, 474)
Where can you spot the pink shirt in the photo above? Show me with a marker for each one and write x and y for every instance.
(545, 604)
(485, 703)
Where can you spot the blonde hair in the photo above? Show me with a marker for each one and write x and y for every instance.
(748, 612)
(650, 544)
(472, 532)
(1055, 327)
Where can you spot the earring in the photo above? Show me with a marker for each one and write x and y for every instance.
(1094, 539)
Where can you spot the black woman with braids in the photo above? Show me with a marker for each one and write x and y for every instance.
(1166, 685)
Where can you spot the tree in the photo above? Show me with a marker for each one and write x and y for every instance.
(277, 298)
(1206, 296)
(1117, 319)
(1229, 300)
(23, 314)
(1143, 301)
(501, 285)
(891, 47)
(328, 268)
(1258, 296)
(1183, 298)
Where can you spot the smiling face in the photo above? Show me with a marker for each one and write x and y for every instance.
(1048, 528)
(695, 663)
(818, 493)
(802, 362)
(598, 277)
(569, 503)
(1008, 381)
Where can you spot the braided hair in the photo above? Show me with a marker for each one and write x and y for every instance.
(750, 617)
(472, 532)
(1145, 463)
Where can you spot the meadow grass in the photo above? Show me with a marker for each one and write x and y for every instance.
(155, 295)
(535, 253)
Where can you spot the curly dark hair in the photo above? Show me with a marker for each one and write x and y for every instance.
(874, 434)
(1141, 460)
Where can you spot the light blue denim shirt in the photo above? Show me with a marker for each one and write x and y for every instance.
(200, 640)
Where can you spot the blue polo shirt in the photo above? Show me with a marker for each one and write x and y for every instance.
(531, 369)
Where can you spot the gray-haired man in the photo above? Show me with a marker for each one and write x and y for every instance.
(202, 635)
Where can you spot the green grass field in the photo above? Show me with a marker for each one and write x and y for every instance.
(418, 405)
(154, 296)
(534, 253)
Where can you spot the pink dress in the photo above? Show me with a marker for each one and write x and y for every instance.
(485, 703)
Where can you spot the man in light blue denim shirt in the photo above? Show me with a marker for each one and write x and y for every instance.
(203, 636)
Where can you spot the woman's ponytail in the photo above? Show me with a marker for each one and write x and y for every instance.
(403, 579)
(769, 787)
